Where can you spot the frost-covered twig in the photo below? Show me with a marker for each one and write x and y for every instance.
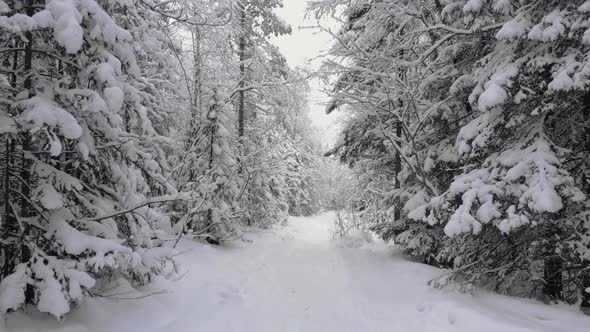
(181, 17)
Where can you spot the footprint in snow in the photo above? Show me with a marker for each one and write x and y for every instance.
(288, 237)
(451, 318)
(423, 307)
(231, 294)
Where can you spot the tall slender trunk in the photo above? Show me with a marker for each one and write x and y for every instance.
(196, 101)
(27, 164)
(242, 50)
(26, 137)
(553, 264)
(585, 305)
(553, 279)
(6, 180)
(398, 169)
(243, 40)
(17, 167)
(398, 133)
(8, 219)
(585, 291)
(9, 223)
(212, 117)
(198, 72)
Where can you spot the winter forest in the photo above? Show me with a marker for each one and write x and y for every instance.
(166, 166)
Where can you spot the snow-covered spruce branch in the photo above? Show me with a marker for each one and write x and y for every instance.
(19, 219)
(267, 85)
(418, 169)
(428, 52)
(357, 68)
(458, 31)
(47, 53)
(396, 140)
(184, 222)
(154, 200)
(356, 47)
(31, 203)
(429, 112)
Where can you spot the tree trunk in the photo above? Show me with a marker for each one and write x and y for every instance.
(242, 51)
(398, 169)
(212, 117)
(9, 223)
(8, 219)
(26, 163)
(198, 80)
(585, 305)
(242, 93)
(26, 137)
(553, 277)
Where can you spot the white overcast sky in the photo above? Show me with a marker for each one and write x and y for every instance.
(302, 48)
(302, 44)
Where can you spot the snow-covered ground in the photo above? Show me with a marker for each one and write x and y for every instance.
(297, 279)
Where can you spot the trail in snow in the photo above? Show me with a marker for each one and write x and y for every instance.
(297, 279)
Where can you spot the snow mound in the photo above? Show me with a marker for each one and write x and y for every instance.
(355, 238)
(12, 290)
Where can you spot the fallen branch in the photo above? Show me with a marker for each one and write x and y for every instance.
(110, 297)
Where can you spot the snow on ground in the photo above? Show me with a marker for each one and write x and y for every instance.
(296, 278)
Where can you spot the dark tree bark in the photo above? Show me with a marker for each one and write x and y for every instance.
(585, 305)
(242, 50)
(27, 164)
(553, 277)
(212, 117)
(398, 169)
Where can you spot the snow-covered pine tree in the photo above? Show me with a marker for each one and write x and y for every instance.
(392, 103)
(264, 200)
(207, 162)
(261, 66)
(213, 169)
(78, 176)
(256, 21)
(236, 187)
(295, 151)
(492, 164)
(302, 176)
(522, 145)
(279, 167)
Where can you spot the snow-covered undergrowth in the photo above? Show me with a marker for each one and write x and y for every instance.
(296, 278)
(355, 238)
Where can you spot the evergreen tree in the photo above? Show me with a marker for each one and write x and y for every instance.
(79, 166)
(460, 100)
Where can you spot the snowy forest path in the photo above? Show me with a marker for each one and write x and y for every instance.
(296, 278)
